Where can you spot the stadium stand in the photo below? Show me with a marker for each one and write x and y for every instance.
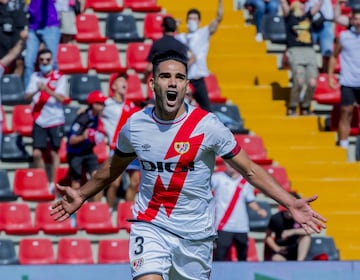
(6, 190)
(69, 59)
(104, 6)
(136, 56)
(12, 90)
(122, 28)
(124, 212)
(82, 84)
(88, 29)
(113, 251)
(13, 148)
(146, 6)
(8, 253)
(152, 25)
(22, 120)
(36, 251)
(75, 251)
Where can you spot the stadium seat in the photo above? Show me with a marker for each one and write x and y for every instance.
(252, 255)
(104, 6)
(124, 212)
(122, 28)
(15, 218)
(6, 193)
(323, 94)
(280, 174)
(101, 151)
(82, 84)
(36, 251)
(113, 251)
(8, 253)
(71, 112)
(32, 184)
(69, 59)
(136, 56)
(256, 222)
(355, 122)
(134, 92)
(273, 28)
(88, 29)
(62, 151)
(105, 58)
(12, 90)
(214, 91)
(4, 125)
(353, 4)
(13, 148)
(254, 146)
(152, 25)
(46, 223)
(142, 6)
(323, 245)
(22, 120)
(95, 218)
(75, 251)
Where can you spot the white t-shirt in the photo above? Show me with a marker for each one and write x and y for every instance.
(176, 161)
(198, 43)
(111, 116)
(224, 188)
(63, 6)
(326, 8)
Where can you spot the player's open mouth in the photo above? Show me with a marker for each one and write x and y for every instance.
(171, 96)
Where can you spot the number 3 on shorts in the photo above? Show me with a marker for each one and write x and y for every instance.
(139, 241)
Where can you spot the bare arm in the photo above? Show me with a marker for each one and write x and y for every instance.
(269, 240)
(285, 7)
(15, 51)
(256, 207)
(338, 17)
(332, 63)
(214, 24)
(317, 6)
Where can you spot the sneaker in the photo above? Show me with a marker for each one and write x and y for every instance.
(259, 37)
(291, 112)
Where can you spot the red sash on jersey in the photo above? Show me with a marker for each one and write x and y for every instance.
(185, 146)
(232, 204)
(44, 96)
(128, 109)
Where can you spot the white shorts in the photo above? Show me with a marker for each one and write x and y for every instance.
(156, 251)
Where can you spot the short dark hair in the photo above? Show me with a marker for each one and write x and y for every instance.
(43, 51)
(169, 24)
(355, 11)
(168, 55)
(193, 11)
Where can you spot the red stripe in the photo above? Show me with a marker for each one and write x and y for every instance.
(232, 204)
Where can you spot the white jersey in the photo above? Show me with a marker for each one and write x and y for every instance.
(111, 116)
(177, 160)
(47, 111)
(224, 188)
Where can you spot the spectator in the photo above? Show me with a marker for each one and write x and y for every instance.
(348, 47)
(47, 90)
(301, 55)
(340, 18)
(232, 193)
(322, 30)
(198, 41)
(116, 112)
(82, 138)
(43, 27)
(12, 22)
(291, 242)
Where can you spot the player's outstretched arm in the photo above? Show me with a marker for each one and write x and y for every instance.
(259, 178)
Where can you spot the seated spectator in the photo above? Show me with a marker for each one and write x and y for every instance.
(82, 138)
(301, 55)
(291, 242)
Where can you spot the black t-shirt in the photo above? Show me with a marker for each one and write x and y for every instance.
(298, 30)
(278, 223)
(166, 43)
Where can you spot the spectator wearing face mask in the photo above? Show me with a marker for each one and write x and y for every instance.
(47, 91)
(198, 40)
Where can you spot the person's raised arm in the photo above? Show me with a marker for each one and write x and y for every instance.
(332, 63)
(338, 17)
(285, 8)
(316, 7)
(259, 178)
(214, 24)
(14, 51)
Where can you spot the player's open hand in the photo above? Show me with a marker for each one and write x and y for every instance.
(67, 205)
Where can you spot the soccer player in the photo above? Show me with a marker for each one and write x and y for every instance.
(173, 230)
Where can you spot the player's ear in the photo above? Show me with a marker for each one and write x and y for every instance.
(151, 84)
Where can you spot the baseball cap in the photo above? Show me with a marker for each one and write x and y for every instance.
(169, 24)
(96, 97)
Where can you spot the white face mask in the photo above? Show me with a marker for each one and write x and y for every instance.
(192, 25)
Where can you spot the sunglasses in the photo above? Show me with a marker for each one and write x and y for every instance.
(44, 59)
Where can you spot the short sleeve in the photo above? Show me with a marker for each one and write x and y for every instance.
(61, 86)
(249, 195)
(123, 144)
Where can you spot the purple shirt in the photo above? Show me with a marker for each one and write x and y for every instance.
(42, 14)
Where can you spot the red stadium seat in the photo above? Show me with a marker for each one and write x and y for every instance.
(136, 56)
(5, 128)
(280, 174)
(36, 251)
(104, 58)
(142, 5)
(62, 151)
(254, 146)
(62, 176)
(355, 122)
(101, 151)
(22, 120)
(46, 223)
(32, 184)
(69, 59)
(323, 93)
(213, 89)
(88, 29)
(95, 218)
(113, 251)
(106, 6)
(152, 25)
(134, 91)
(75, 251)
(124, 212)
(15, 218)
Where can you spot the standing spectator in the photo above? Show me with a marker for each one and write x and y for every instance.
(47, 90)
(348, 47)
(232, 193)
(116, 112)
(322, 30)
(290, 242)
(43, 28)
(340, 18)
(198, 41)
(82, 138)
(12, 22)
(301, 55)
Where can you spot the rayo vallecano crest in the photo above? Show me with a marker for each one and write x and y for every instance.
(182, 147)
